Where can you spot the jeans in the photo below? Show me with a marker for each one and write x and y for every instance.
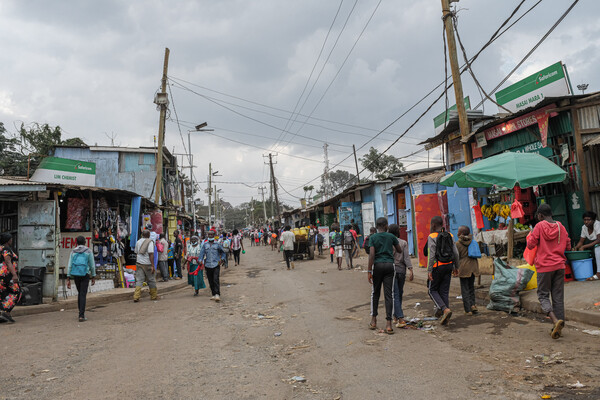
(398, 293)
(143, 273)
(320, 246)
(164, 269)
(552, 284)
(82, 283)
(348, 254)
(213, 280)
(383, 274)
(467, 290)
(289, 257)
(439, 287)
(236, 256)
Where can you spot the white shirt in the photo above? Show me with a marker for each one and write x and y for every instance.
(593, 236)
(144, 258)
(288, 238)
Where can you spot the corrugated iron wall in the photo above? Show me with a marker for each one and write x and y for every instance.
(592, 160)
(589, 117)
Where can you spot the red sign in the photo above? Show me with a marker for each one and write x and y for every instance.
(542, 121)
(519, 123)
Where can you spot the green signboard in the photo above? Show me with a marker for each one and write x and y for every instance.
(549, 82)
(64, 170)
(439, 120)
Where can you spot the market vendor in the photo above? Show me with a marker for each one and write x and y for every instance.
(590, 232)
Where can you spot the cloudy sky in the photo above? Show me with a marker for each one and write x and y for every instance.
(348, 68)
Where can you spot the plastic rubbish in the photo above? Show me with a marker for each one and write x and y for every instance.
(576, 385)
(595, 332)
(277, 334)
(298, 379)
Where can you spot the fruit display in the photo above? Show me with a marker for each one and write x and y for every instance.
(496, 210)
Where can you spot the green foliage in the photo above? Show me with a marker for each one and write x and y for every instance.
(339, 180)
(35, 140)
(381, 165)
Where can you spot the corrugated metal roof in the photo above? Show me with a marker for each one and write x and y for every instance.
(7, 181)
(593, 141)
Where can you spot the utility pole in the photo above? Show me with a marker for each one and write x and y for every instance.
(192, 205)
(262, 192)
(326, 172)
(356, 163)
(216, 204)
(162, 101)
(271, 198)
(252, 211)
(458, 92)
(209, 194)
(274, 186)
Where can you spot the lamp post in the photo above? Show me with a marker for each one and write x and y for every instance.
(198, 128)
(583, 87)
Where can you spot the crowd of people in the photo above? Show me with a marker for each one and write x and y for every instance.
(389, 263)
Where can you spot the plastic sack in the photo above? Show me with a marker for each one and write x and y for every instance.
(331, 250)
(505, 288)
(478, 216)
(516, 210)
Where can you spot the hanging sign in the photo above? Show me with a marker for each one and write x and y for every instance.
(549, 82)
(65, 171)
(542, 120)
(518, 123)
(441, 120)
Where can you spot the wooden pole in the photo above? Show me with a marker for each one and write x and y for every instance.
(458, 92)
(161, 132)
(581, 160)
(511, 239)
(356, 164)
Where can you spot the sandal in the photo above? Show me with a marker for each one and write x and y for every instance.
(556, 331)
(400, 323)
(389, 331)
(593, 278)
(372, 327)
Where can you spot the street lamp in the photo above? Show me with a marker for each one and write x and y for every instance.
(198, 128)
(583, 87)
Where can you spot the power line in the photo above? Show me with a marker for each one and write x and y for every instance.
(313, 70)
(343, 63)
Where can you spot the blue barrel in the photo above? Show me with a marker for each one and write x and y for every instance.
(582, 269)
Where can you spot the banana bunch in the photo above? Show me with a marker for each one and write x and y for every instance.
(492, 211)
(488, 212)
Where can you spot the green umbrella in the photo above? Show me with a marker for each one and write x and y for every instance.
(507, 170)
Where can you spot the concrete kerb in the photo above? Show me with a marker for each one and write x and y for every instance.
(94, 299)
(529, 301)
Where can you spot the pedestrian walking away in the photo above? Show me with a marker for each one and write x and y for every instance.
(82, 268)
(212, 255)
(442, 264)
(381, 272)
(178, 250)
(337, 241)
(10, 289)
(468, 268)
(402, 269)
(226, 247)
(170, 260)
(237, 246)
(163, 256)
(551, 240)
(194, 266)
(288, 239)
(348, 245)
(320, 241)
(145, 271)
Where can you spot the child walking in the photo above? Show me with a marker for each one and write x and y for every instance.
(468, 269)
(82, 269)
(443, 263)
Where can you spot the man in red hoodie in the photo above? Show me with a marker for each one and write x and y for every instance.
(552, 240)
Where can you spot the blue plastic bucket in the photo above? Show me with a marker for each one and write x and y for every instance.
(582, 269)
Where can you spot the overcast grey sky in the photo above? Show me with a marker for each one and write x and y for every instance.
(93, 68)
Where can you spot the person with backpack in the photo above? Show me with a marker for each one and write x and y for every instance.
(348, 244)
(320, 242)
(338, 248)
(468, 268)
(162, 247)
(381, 272)
(82, 268)
(372, 231)
(551, 240)
(145, 271)
(403, 268)
(442, 263)
(226, 243)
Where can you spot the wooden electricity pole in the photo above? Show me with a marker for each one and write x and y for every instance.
(458, 92)
(161, 130)
(356, 163)
(274, 188)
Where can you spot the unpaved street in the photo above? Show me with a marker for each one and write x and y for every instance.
(185, 347)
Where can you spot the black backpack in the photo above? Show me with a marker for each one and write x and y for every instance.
(348, 238)
(444, 247)
(320, 238)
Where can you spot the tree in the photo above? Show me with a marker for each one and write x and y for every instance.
(34, 141)
(381, 165)
(339, 180)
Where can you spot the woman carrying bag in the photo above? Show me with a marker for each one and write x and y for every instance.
(10, 290)
(195, 268)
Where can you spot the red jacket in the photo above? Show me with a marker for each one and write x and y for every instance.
(551, 240)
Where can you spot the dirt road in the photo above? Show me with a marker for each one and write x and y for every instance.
(274, 324)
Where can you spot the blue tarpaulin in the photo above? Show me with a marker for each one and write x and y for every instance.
(136, 204)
